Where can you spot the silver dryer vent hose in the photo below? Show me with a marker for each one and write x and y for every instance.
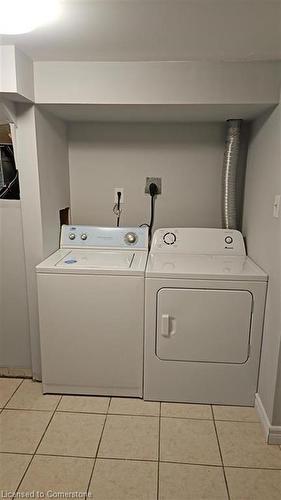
(229, 174)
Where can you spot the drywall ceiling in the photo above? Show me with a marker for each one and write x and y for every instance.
(122, 30)
(155, 113)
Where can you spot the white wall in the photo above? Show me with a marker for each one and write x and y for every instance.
(52, 154)
(8, 75)
(188, 158)
(158, 82)
(7, 112)
(27, 164)
(42, 160)
(263, 235)
(16, 74)
(14, 321)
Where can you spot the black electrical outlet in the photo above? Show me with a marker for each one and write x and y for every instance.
(154, 180)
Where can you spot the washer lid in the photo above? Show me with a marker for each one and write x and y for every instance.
(98, 259)
(93, 261)
(220, 267)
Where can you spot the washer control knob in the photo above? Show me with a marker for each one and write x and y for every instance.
(169, 238)
(72, 236)
(130, 238)
(84, 236)
(228, 240)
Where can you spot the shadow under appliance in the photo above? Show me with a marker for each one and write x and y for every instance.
(204, 310)
(91, 302)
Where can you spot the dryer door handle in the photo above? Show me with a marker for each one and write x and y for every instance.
(168, 325)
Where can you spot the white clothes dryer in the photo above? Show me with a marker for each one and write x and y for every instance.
(91, 303)
(204, 310)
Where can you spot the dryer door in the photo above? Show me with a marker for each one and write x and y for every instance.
(203, 325)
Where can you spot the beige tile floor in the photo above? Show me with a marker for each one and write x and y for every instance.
(128, 449)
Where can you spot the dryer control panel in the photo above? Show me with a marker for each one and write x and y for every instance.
(104, 237)
(203, 241)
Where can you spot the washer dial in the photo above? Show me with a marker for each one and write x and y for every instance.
(130, 238)
(84, 236)
(72, 236)
(169, 238)
(228, 240)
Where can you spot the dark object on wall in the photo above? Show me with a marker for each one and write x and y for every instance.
(9, 180)
(64, 216)
(153, 191)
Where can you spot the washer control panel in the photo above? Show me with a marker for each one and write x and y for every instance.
(104, 237)
(204, 241)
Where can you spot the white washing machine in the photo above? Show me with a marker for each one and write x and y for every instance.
(91, 303)
(204, 310)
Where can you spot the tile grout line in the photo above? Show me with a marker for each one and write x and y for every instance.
(219, 446)
(94, 413)
(4, 407)
(133, 415)
(144, 460)
(34, 410)
(97, 451)
(20, 384)
(159, 450)
(40, 441)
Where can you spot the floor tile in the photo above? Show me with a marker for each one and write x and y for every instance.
(12, 469)
(236, 413)
(243, 445)
(191, 482)
(30, 397)
(22, 430)
(132, 406)
(57, 474)
(131, 437)
(7, 388)
(254, 484)
(189, 441)
(184, 410)
(87, 404)
(73, 434)
(124, 480)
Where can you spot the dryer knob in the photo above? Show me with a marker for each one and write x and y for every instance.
(169, 238)
(228, 240)
(71, 236)
(130, 238)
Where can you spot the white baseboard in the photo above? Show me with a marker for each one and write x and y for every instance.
(16, 372)
(272, 432)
